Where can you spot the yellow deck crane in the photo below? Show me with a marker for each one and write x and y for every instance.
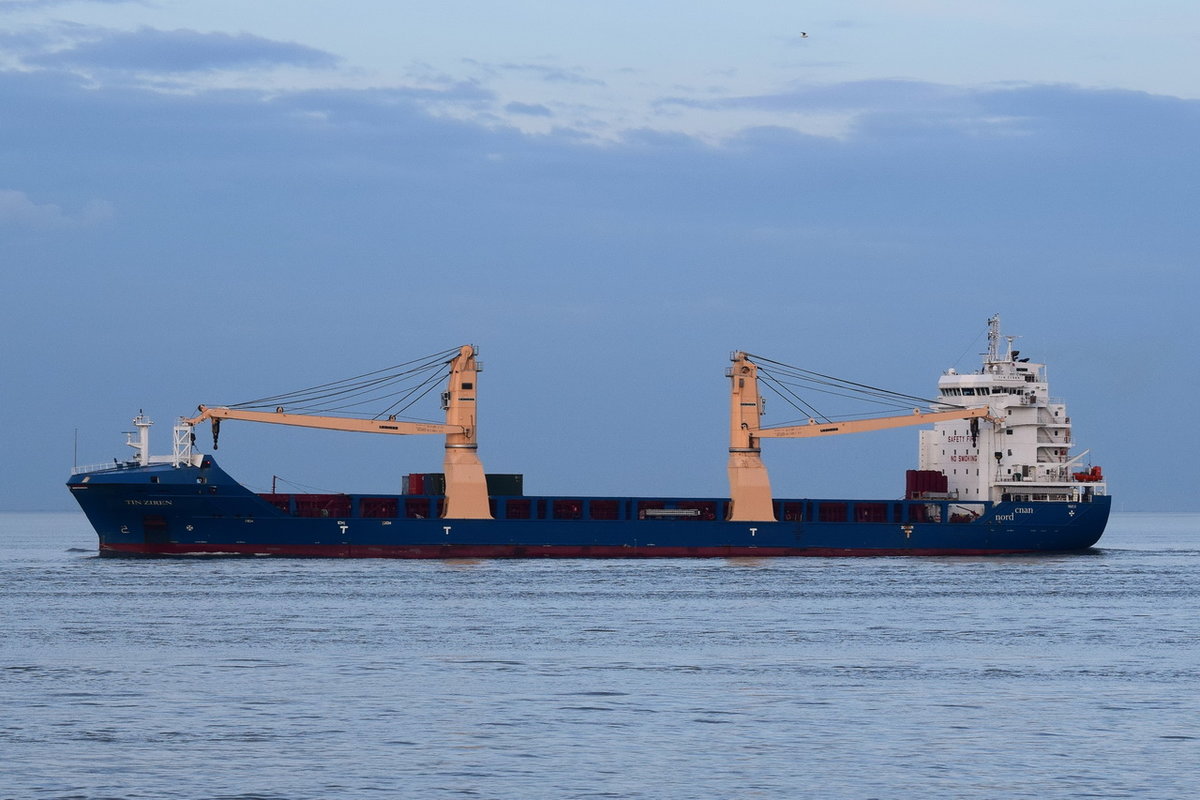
(749, 484)
(466, 485)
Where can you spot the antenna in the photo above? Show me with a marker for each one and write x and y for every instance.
(993, 353)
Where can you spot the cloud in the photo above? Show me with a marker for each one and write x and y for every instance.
(18, 211)
(37, 5)
(553, 74)
(875, 96)
(542, 72)
(528, 109)
(182, 50)
(901, 110)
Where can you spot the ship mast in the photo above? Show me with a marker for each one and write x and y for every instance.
(993, 353)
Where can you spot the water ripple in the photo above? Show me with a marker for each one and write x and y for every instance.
(1049, 678)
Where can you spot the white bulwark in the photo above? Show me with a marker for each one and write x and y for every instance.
(1024, 452)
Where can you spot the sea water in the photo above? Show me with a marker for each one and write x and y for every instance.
(1060, 676)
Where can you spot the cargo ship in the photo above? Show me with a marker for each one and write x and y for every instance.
(994, 475)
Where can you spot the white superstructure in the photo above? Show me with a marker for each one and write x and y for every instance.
(1024, 452)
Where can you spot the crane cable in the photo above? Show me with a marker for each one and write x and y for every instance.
(780, 377)
(367, 388)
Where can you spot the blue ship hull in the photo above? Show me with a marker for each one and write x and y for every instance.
(161, 510)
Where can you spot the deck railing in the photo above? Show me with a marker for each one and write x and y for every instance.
(76, 470)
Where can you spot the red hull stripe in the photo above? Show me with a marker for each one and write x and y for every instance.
(521, 551)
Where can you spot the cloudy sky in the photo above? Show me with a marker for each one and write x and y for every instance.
(210, 202)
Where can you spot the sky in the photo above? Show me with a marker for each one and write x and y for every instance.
(212, 202)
